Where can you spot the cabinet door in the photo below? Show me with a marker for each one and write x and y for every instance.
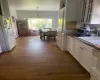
(84, 9)
(0, 49)
(89, 11)
(59, 38)
(70, 44)
(86, 60)
(78, 51)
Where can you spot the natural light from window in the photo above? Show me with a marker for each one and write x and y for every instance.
(36, 24)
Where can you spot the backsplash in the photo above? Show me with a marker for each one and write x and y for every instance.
(88, 29)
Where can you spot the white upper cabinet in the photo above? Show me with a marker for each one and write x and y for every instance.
(87, 7)
(90, 13)
(73, 9)
(95, 19)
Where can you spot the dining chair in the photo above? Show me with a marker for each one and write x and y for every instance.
(52, 34)
(41, 34)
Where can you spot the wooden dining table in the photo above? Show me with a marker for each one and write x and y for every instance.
(46, 31)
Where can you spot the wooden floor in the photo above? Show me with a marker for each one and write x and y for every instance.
(33, 59)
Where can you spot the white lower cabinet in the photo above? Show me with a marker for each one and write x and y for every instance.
(70, 44)
(0, 50)
(78, 51)
(82, 52)
(86, 60)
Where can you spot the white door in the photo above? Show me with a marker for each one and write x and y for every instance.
(0, 49)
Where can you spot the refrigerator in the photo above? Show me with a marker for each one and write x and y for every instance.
(65, 27)
(23, 28)
(7, 38)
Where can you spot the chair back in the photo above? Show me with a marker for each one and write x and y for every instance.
(52, 33)
(40, 32)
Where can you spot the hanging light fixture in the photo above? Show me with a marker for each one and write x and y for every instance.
(38, 15)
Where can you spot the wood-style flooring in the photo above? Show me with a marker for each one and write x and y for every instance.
(33, 59)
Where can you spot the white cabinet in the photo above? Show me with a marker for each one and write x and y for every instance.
(86, 60)
(70, 44)
(82, 52)
(61, 40)
(78, 51)
(59, 37)
(87, 6)
(85, 55)
(90, 14)
(0, 50)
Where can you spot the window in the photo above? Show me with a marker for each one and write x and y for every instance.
(36, 24)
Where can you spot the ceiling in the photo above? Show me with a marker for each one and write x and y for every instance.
(47, 5)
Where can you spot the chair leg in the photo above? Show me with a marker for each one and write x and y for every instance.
(44, 37)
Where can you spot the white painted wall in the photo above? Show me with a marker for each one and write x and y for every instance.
(12, 10)
(44, 14)
(49, 5)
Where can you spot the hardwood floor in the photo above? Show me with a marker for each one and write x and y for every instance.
(33, 59)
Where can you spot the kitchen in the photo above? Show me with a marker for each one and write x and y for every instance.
(79, 33)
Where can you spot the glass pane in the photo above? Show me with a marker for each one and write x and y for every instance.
(36, 24)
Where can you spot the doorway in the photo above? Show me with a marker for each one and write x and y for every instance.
(38, 23)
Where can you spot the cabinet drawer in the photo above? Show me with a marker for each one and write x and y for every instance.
(86, 47)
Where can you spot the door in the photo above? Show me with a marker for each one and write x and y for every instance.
(78, 51)
(70, 44)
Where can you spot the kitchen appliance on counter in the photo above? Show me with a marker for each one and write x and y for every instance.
(22, 26)
(87, 30)
(7, 38)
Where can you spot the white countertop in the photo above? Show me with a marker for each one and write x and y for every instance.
(93, 40)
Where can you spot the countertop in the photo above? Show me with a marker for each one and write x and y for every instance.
(90, 42)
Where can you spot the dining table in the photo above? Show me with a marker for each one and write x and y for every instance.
(45, 32)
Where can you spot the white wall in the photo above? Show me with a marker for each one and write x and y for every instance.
(51, 5)
(12, 11)
(21, 14)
